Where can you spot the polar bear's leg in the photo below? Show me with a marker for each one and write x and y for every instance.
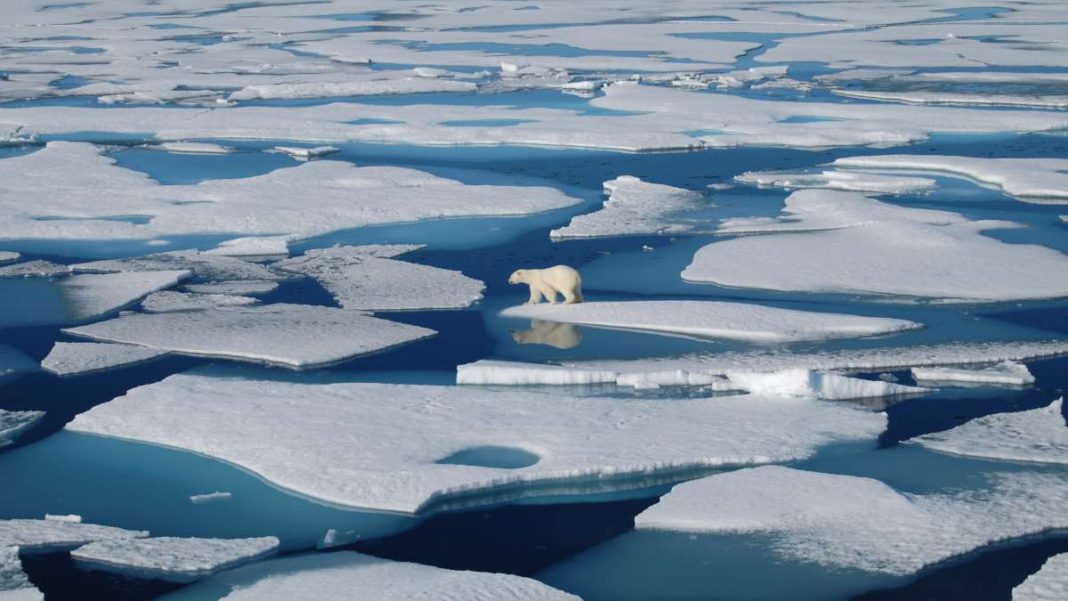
(572, 296)
(535, 295)
(549, 292)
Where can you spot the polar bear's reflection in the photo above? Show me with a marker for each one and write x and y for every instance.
(559, 335)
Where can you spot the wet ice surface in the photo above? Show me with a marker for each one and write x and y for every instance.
(242, 143)
(172, 559)
(1051, 582)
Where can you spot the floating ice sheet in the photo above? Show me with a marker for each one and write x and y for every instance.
(363, 578)
(172, 300)
(75, 358)
(90, 295)
(714, 319)
(203, 265)
(367, 278)
(171, 558)
(959, 98)
(33, 269)
(1050, 583)
(838, 180)
(7, 256)
(238, 287)
(254, 246)
(856, 244)
(633, 207)
(852, 522)
(1006, 373)
(289, 434)
(1038, 435)
(194, 148)
(1039, 180)
(299, 336)
(813, 384)
(52, 536)
(13, 423)
(14, 584)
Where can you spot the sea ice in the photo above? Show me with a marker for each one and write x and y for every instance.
(194, 148)
(1038, 435)
(252, 246)
(1038, 180)
(289, 434)
(7, 256)
(236, 287)
(814, 384)
(1007, 372)
(172, 300)
(368, 278)
(14, 584)
(33, 269)
(52, 536)
(90, 295)
(358, 577)
(963, 99)
(1048, 584)
(838, 180)
(857, 244)
(714, 319)
(634, 207)
(76, 358)
(299, 336)
(300, 152)
(172, 559)
(211, 497)
(13, 423)
(853, 522)
(203, 265)
(367, 87)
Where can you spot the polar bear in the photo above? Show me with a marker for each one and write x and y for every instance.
(548, 282)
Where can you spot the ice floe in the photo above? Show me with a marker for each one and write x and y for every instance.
(172, 300)
(14, 584)
(76, 358)
(633, 207)
(714, 319)
(1050, 583)
(90, 295)
(7, 256)
(299, 336)
(171, 558)
(853, 522)
(364, 578)
(252, 246)
(288, 434)
(1007, 372)
(369, 278)
(52, 536)
(202, 265)
(1039, 180)
(838, 180)
(806, 383)
(856, 244)
(13, 423)
(33, 269)
(236, 287)
(371, 87)
(959, 98)
(211, 497)
(194, 148)
(300, 152)
(1038, 435)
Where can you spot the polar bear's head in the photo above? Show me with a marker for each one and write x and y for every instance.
(518, 276)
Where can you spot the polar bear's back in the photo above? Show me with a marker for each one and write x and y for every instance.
(561, 273)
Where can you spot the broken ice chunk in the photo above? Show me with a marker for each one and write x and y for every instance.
(633, 207)
(1038, 435)
(13, 423)
(172, 559)
(90, 295)
(76, 358)
(1008, 373)
(1050, 583)
(171, 300)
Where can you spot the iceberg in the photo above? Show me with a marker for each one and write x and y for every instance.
(14, 423)
(634, 207)
(172, 559)
(861, 523)
(714, 319)
(1008, 373)
(297, 336)
(77, 358)
(368, 278)
(289, 434)
(318, 576)
(1048, 584)
(1037, 436)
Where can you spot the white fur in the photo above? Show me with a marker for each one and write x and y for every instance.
(548, 282)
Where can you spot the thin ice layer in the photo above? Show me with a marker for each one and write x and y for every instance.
(713, 319)
(1008, 373)
(51, 536)
(90, 295)
(289, 434)
(852, 522)
(838, 180)
(1038, 435)
(171, 558)
(75, 358)
(634, 207)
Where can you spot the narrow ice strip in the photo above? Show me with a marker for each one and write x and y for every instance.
(838, 180)
(7, 256)
(211, 497)
(33, 269)
(90, 295)
(203, 265)
(318, 576)
(172, 300)
(289, 434)
(236, 287)
(14, 584)
(961, 99)
(1050, 583)
(893, 251)
(1007, 373)
(1040, 180)
(307, 153)
(53, 536)
(172, 559)
(298, 336)
(368, 278)
(14, 423)
(851, 522)
(252, 246)
(806, 383)
(1038, 435)
(193, 148)
(77, 358)
(713, 319)
(634, 207)
(373, 87)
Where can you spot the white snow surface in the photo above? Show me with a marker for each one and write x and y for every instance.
(1038, 180)
(194, 148)
(1050, 583)
(238, 287)
(368, 278)
(52, 536)
(172, 300)
(856, 244)
(301, 152)
(288, 434)
(6, 256)
(14, 584)
(1038, 436)
(853, 522)
(1007, 372)
(838, 180)
(75, 358)
(90, 295)
(814, 384)
(360, 577)
(963, 99)
(634, 207)
(33, 269)
(299, 336)
(203, 265)
(171, 558)
(13, 423)
(252, 246)
(211, 497)
(713, 319)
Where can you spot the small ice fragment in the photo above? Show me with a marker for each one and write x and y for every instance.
(211, 497)
(71, 518)
(307, 153)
